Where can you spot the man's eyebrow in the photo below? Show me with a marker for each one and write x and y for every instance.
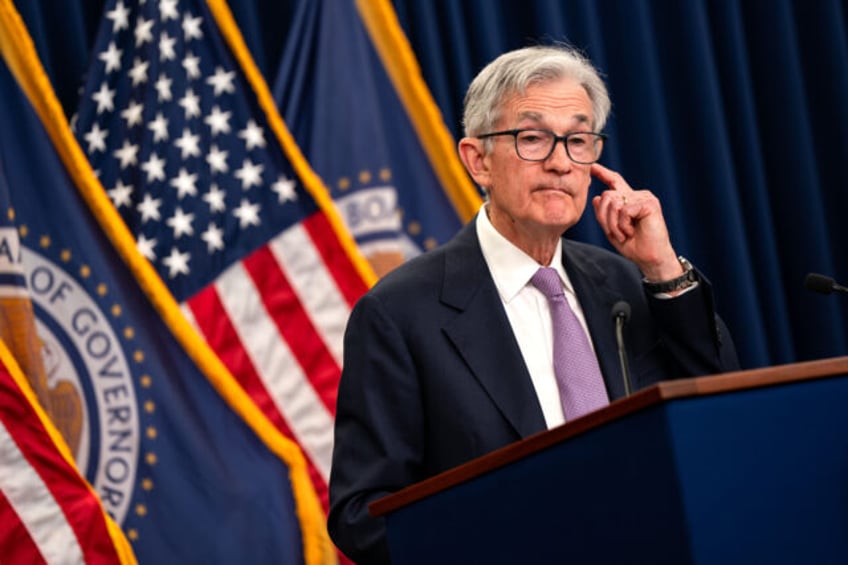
(535, 116)
(538, 117)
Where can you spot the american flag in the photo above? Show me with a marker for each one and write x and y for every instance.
(224, 207)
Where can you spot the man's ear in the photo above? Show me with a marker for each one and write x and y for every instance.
(474, 158)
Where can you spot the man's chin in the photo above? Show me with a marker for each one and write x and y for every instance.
(562, 218)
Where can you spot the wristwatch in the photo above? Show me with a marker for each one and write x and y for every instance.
(687, 279)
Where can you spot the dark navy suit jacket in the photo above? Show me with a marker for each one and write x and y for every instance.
(433, 376)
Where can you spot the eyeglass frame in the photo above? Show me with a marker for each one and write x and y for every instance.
(557, 138)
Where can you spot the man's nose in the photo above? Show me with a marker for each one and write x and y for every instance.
(559, 158)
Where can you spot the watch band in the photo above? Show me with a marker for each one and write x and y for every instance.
(687, 279)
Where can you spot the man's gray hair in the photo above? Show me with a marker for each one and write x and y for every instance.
(513, 72)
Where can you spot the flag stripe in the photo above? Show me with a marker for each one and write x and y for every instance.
(335, 257)
(31, 498)
(277, 367)
(210, 317)
(327, 308)
(293, 325)
(43, 485)
(16, 545)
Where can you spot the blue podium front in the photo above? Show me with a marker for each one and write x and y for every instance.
(740, 474)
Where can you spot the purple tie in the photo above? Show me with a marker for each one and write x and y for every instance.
(581, 386)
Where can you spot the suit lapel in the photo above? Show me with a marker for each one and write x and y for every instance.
(483, 336)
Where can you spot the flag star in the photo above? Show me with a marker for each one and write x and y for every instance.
(222, 81)
(96, 138)
(215, 199)
(284, 187)
(252, 135)
(217, 159)
(143, 31)
(159, 127)
(146, 247)
(154, 167)
(191, 64)
(184, 183)
(191, 27)
(105, 98)
(133, 113)
(163, 87)
(119, 16)
(168, 10)
(218, 121)
(138, 72)
(249, 174)
(112, 57)
(180, 222)
(177, 263)
(127, 154)
(120, 195)
(166, 47)
(149, 208)
(188, 144)
(191, 104)
(214, 238)
(247, 213)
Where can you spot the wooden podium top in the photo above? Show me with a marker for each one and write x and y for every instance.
(699, 386)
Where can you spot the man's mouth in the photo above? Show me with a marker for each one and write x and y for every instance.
(559, 189)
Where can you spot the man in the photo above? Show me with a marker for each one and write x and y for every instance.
(457, 352)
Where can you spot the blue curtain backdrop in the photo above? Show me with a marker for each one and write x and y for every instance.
(733, 112)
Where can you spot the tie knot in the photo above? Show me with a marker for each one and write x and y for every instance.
(546, 279)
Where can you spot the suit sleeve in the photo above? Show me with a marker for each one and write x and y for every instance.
(693, 334)
(378, 430)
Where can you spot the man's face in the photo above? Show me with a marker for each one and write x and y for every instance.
(544, 198)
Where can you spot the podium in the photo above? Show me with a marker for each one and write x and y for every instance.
(747, 467)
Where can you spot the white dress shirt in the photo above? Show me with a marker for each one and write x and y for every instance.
(528, 311)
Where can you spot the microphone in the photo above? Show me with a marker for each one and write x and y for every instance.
(822, 284)
(621, 314)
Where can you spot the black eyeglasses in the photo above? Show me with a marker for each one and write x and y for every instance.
(583, 147)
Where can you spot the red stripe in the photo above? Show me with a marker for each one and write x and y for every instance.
(16, 545)
(214, 323)
(335, 257)
(295, 326)
(80, 506)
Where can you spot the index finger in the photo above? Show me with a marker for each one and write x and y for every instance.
(612, 179)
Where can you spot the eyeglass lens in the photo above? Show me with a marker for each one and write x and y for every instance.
(537, 145)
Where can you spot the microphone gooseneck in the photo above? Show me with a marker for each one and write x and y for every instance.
(621, 314)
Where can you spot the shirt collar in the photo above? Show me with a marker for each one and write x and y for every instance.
(510, 267)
